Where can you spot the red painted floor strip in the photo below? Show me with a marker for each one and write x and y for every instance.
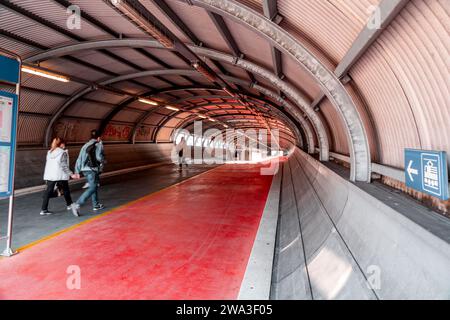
(191, 241)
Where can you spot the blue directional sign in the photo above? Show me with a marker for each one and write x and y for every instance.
(9, 69)
(426, 171)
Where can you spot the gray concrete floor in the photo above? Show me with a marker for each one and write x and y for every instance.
(115, 191)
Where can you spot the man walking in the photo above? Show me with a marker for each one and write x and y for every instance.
(89, 164)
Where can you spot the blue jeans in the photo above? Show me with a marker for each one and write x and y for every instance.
(93, 180)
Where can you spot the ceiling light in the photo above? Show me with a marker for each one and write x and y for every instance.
(147, 101)
(202, 116)
(212, 120)
(225, 126)
(172, 108)
(45, 74)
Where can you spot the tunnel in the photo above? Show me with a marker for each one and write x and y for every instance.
(242, 149)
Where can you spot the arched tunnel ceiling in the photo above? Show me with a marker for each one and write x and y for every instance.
(399, 86)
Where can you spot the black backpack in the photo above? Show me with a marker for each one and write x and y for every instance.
(91, 159)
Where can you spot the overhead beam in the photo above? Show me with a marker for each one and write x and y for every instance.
(387, 10)
(176, 20)
(360, 167)
(296, 96)
(270, 8)
(302, 123)
(225, 32)
(384, 14)
(148, 22)
(38, 19)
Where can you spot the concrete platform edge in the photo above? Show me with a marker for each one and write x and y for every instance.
(257, 280)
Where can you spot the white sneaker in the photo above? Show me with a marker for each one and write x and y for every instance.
(75, 209)
(45, 213)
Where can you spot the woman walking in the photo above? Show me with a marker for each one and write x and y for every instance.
(180, 148)
(57, 174)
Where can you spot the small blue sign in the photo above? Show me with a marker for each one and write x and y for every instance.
(426, 171)
(9, 70)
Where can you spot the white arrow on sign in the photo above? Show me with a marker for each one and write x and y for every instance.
(411, 171)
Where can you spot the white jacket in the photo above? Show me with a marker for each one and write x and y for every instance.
(57, 165)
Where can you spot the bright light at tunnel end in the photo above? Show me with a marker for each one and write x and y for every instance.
(236, 146)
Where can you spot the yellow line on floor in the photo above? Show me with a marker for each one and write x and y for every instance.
(53, 235)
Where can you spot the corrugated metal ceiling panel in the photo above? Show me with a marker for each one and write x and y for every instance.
(128, 115)
(110, 17)
(101, 60)
(105, 96)
(57, 14)
(88, 109)
(37, 82)
(200, 24)
(164, 20)
(71, 68)
(32, 101)
(254, 47)
(28, 29)
(17, 47)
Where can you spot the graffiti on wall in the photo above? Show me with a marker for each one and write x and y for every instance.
(144, 133)
(78, 131)
(116, 132)
(69, 130)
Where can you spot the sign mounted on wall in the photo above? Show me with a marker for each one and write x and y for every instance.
(10, 66)
(9, 71)
(8, 112)
(426, 171)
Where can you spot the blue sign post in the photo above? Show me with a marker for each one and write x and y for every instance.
(10, 65)
(426, 171)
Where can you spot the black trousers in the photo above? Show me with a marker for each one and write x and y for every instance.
(50, 193)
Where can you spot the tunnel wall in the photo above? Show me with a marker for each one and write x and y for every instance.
(349, 238)
(31, 162)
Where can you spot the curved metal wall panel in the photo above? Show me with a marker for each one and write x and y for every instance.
(332, 25)
(128, 115)
(405, 80)
(255, 48)
(32, 101)
(31, 129)
(300, 78)
(105, 96)
(88, 109)
(254, 4)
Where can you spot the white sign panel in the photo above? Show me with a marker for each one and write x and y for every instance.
(6, 114)
(5, 153)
